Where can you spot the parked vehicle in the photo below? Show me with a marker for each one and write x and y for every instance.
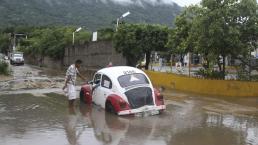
(16, 58)
(123, 90)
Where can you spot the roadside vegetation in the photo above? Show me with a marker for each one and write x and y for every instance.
(46, 41)
(4, 69)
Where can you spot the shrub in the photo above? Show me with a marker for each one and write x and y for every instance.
(210, 74)
(4, 68)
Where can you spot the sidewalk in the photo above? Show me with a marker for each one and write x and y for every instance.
(182, 70)
(185, 71)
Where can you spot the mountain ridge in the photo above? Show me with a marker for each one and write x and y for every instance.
(92, 14)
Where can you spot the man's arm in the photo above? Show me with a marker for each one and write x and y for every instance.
(81, 76)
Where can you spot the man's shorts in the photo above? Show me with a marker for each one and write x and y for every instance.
(71, 92)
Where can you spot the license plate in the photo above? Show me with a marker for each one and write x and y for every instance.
(147, 113)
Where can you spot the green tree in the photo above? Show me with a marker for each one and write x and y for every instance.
(125, 42)
(153, 38)
(179, 40)
(136, 40)
(4, 42)
(51, 41)
(247, 21)
(217, 29)
(106, 34)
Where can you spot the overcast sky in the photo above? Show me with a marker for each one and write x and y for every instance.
(187, 2)
(179, 2)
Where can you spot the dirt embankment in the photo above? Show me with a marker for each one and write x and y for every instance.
(5, 77)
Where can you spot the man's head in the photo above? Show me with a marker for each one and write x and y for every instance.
(78, 63)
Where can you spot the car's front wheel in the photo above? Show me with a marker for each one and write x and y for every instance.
(82, 96)
(110, 108)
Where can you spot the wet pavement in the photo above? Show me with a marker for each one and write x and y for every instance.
(33, 111)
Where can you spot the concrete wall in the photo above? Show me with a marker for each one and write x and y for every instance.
(94, 55)
(203, 86)
(46, 62)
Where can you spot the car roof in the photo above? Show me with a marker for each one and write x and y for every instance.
(116, 71)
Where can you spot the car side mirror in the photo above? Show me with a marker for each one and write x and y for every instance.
(97, 82)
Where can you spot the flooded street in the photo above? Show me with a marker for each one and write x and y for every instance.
(34, 111)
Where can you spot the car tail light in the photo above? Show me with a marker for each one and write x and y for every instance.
(160, 96)
(123, 105)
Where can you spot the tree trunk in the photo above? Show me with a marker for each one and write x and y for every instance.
(131, 61)
(182, 59)
(147, 60)
(250, 67)
(208, 64)
(219, 64)
(224, 67)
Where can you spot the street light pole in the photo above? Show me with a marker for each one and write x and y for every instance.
(14, 43)
(117, 21)
(73, 38)
(77, 30)
(123, 16)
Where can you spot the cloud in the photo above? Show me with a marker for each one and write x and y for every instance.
(135, 2)
(153, 2)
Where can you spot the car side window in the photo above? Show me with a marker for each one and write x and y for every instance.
(97, 78)
(106, 82)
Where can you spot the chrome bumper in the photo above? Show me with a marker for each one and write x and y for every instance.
(152, 110)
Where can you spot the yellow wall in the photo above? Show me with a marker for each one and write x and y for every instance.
(203, 86)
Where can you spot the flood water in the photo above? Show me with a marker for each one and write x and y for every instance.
(39, 115)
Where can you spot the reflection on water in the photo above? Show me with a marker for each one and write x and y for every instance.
(246, 127)
(70, 127)
(27, 120)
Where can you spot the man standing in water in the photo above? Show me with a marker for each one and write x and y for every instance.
(70, 79)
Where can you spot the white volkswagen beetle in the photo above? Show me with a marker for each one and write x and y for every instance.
(123, 90)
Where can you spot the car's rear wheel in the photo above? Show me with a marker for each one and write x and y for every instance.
(82, 96)
(110, 108)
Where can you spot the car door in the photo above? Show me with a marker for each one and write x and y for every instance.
(105, 89)
(96, 96)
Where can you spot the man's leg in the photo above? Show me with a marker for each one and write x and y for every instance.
(71, 95)
(71, 103)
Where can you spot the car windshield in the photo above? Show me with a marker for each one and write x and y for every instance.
(132, 79)
(17, 55)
